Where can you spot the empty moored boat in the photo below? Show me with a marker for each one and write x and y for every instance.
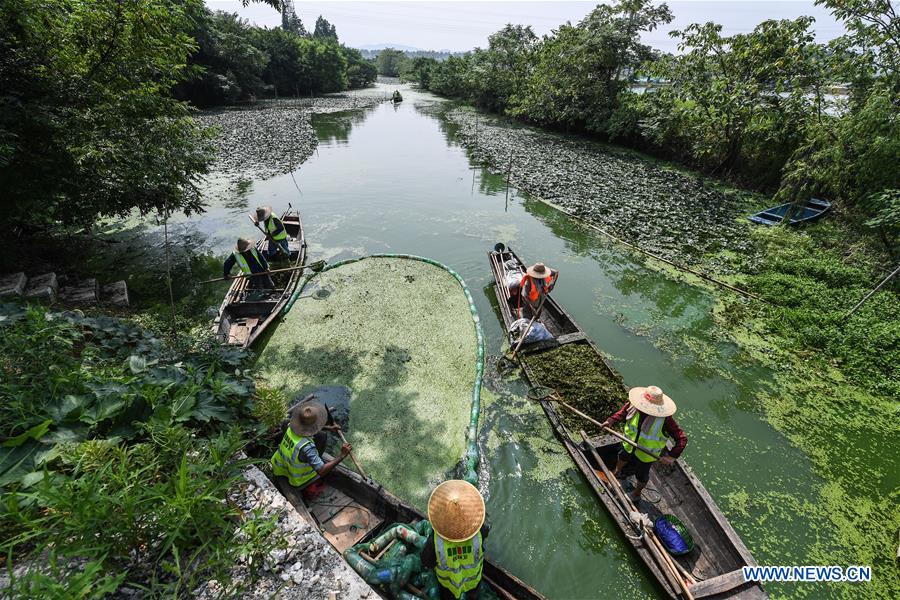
(244, 314)
(718, 555)
(811, 210)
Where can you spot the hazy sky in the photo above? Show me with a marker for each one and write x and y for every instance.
(465, 25)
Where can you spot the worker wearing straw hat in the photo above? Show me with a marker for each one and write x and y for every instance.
(275, 229)
(648, 421)
(249, 260)
(455, 550)
(298, 457)
(538, 281)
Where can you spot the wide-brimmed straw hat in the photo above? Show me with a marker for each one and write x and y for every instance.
(651, 401)
(308, 418)
(539, 271)
(243, 244)
(263, 212)
(456, 510)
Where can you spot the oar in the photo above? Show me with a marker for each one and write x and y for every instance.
(343, 439)
(269, 237)
(555, 397)
(313, 266)
(654, 546)
(537, 313)
(352, 456)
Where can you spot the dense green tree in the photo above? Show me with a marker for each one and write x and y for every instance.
(390, 62)
(290, 22)
(580, 71)
(89, 128)
(227, 66)
(500, 72)
(738, 104)
(324, 30)
(361, 72)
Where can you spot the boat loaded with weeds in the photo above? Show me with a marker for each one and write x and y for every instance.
(118, 453)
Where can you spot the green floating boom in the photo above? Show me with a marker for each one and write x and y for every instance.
(472, 456)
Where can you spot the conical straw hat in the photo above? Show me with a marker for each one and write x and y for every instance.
(538, 271)
(456, 510)
(243, 244)
(651, 401)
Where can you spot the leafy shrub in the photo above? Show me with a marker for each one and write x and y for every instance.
(270, 407)
(118, 452)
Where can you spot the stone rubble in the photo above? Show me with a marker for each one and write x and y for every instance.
(302, 565)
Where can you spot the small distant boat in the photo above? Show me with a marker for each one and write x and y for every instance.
(243, 316)
(811, 211)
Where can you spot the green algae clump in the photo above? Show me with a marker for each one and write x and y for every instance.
(399, 334)
(581, 379)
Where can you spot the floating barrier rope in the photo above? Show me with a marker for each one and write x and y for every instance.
(472, 456)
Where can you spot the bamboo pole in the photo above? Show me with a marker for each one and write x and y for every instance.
(870, 294)
(244, 275)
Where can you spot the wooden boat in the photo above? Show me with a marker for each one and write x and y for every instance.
(245, 313)
(812, 210)
(352, 510)
(719, 554)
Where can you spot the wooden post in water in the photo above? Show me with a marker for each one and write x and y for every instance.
(169, 275)
(508, 172)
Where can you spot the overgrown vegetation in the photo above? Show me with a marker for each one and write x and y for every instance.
(117, 454)
(770, 108)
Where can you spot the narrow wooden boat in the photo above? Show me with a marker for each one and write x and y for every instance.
(245, 314)
(352, 510)
(812, 210)
(719, 553)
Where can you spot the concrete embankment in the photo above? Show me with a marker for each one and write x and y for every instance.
(301, 565)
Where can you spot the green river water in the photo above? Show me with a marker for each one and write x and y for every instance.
(392, 179)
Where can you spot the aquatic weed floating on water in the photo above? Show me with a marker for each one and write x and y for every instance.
(396, 330)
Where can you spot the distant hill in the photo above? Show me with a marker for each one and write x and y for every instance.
(394, 46)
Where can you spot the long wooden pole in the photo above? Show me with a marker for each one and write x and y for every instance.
(555, 397)
(666, 566)
(269, 237)
(353, 456)
(243, 275)
(528, 329)
(870, 294)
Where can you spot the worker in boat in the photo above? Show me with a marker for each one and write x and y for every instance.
(299, 456)
(248, 258)
(648, 421)
(537, 282)
(277, 234)
(455, 549)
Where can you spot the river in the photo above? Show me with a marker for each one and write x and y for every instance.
(392, 179)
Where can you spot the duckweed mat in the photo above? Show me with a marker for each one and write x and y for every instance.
(578, 374)
(399, 333)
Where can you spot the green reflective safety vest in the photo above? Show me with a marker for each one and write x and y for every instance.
(286, 460)
(242, 262)
(652, 436)
(271, 227)
(459, 564)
